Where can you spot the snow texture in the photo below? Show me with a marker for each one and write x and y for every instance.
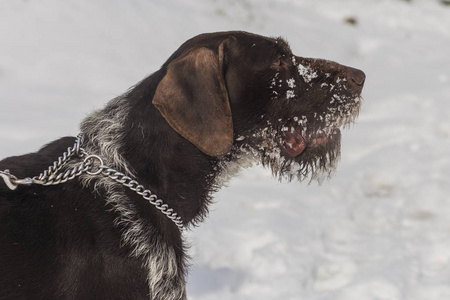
(379, 229)
(306, 72)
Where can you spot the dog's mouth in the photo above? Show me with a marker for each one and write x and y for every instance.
(295, 140)
(303, 146)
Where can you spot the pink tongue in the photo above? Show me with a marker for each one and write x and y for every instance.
(293, 143)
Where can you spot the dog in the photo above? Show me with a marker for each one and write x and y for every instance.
(222, 99)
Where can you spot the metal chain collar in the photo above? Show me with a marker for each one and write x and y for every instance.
(92, 165)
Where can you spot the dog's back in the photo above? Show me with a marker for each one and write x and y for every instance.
(54, 244)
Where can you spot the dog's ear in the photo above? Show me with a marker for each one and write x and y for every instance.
(193, 99)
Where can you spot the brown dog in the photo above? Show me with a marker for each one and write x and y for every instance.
(220, 98)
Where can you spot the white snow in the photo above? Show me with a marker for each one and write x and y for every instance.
(306, 72)
(379, 229)
(290, 94)
(291, 83)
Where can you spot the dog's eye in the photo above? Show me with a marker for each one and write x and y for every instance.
(277, 62)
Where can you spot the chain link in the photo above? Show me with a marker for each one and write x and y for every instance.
(92, 165)
(51, 176)
(145, 193)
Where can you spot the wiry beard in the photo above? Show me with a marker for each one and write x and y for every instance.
(313, 164)
(316, 162)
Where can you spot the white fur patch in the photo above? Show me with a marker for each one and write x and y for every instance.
(103, 130)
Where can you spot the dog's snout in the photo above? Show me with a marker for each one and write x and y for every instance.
(356, 77)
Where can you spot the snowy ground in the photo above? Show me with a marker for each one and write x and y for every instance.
(378, 230)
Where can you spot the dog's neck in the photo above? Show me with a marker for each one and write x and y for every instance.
(129, 135)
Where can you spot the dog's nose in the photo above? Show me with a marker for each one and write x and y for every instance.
(356, 77)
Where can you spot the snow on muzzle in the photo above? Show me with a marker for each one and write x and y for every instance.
(335, 91)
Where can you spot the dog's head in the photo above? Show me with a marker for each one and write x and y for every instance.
(235, 92)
